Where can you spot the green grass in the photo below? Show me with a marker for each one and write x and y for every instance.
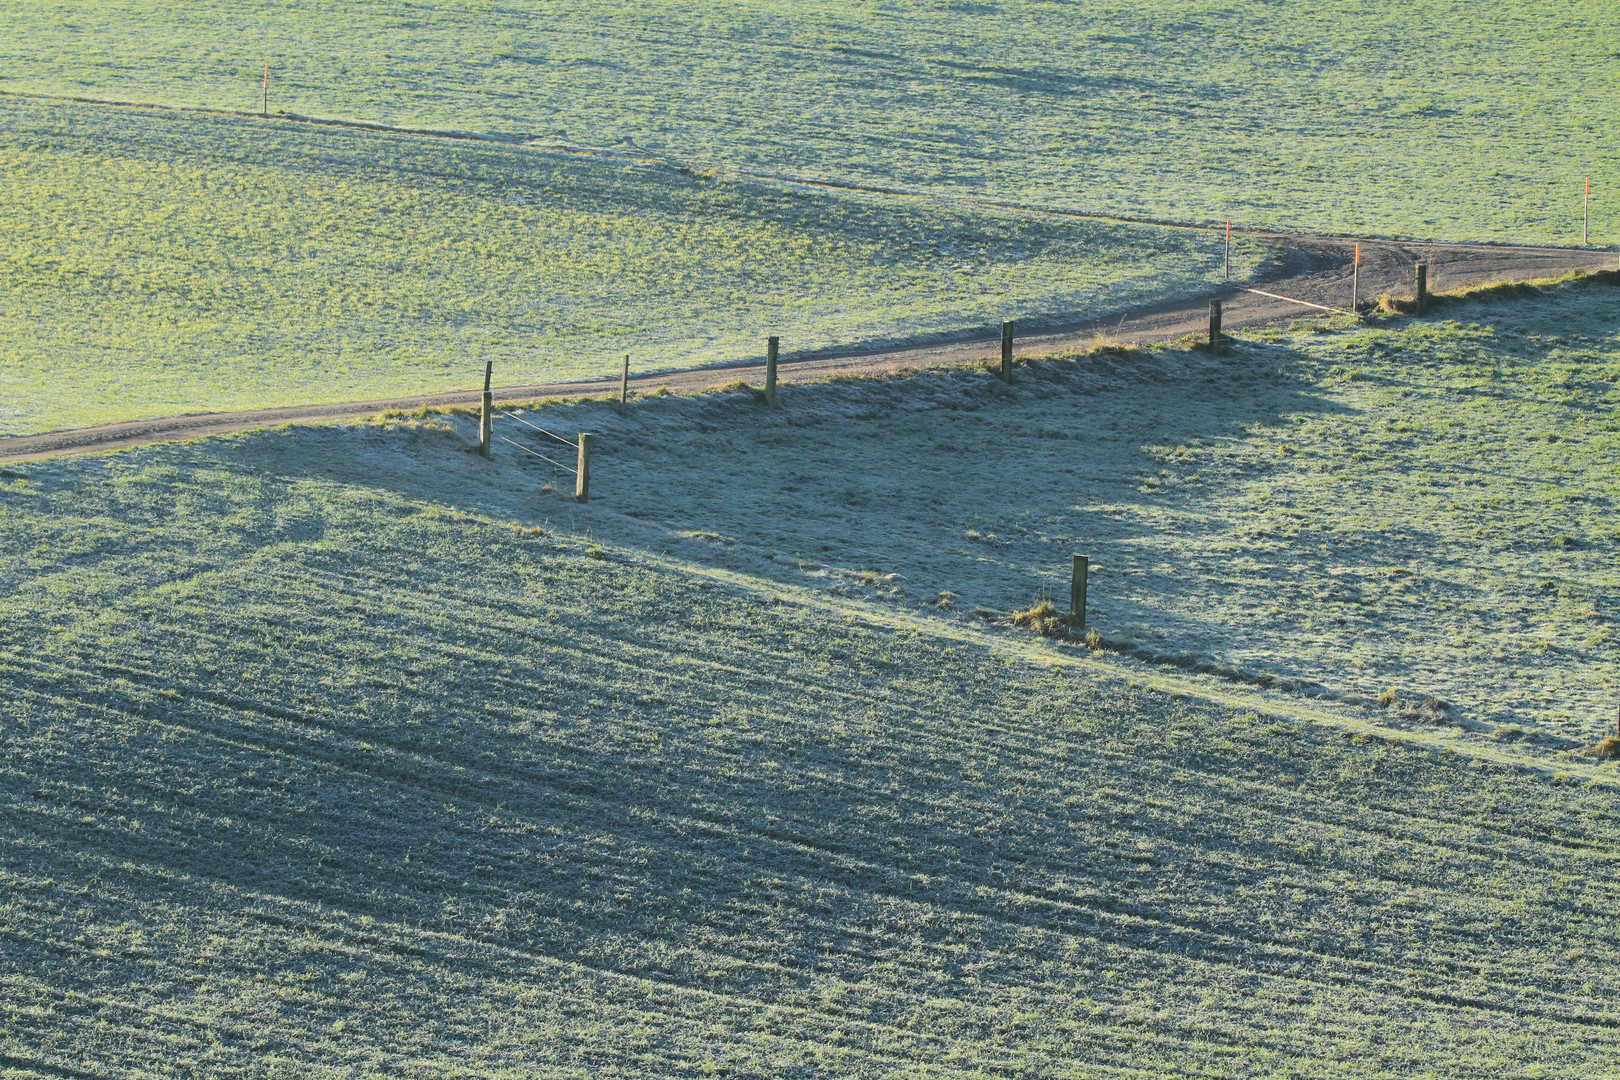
(1421, 505)
(171, 264)
(343, 751)
(318, 761)
(1373, 116)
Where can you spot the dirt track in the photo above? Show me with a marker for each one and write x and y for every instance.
(1315, 269)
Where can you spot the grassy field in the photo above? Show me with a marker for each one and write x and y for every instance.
(312, 772)
(1372, 116)
(1419, 506)
(341, 751)
(185, 264)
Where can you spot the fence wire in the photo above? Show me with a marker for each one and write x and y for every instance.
(541, 430)
(536, 453)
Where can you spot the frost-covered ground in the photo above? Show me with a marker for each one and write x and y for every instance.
(344, 752)
(1425, 507)
(1416, 119)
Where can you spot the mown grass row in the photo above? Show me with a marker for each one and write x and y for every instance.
(314, 768)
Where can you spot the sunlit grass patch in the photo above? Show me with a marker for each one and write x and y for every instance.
(1265, 112)
(161, 264)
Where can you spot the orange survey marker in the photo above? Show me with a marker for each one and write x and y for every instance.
(1586, 214)
(266, 109)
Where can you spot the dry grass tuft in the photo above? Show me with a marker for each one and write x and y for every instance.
(1044, 619)
(877, 579)
(1604, 749)
(1495, 290)
(738, 386)
(1430, 710)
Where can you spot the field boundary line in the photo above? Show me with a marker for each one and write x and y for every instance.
(1153, 678)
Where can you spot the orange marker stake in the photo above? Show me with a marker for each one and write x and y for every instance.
(1228, 261)
(1586, 214)
(266, 90)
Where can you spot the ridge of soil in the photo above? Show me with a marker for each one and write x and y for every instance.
(1314, 269)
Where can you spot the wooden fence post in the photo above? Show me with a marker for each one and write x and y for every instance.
(1355, 283)
(1006, 351)
(624, 385)
(486, 421)
(770, 371)
(1214, 325)
(582, 474)
(1077, 591)
(1421, 301)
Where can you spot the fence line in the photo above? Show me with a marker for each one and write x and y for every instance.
(486, 432)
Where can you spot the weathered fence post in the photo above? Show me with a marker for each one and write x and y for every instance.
(770, 371)
(1421, 298)
(486, 420)
(624, 385)
(1006, 351)
(582, 473)
(1077, 591)
(1355, 283)
(1214, 325)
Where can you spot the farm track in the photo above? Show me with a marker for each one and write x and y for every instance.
(1314, 269)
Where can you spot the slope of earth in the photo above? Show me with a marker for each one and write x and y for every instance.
(1417, 506)
(1417, 119)
(160, 263)
(320, 761)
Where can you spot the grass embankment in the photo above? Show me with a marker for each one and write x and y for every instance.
(320, 760)
(158, 265)
(1276, 114)
(1418, 506)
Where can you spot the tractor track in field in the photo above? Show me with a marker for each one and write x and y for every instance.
(1314, 272)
